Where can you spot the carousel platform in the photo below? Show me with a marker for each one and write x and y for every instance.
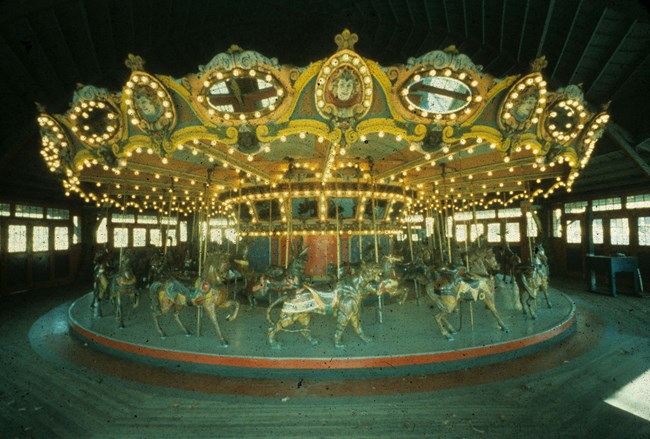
(406, 342)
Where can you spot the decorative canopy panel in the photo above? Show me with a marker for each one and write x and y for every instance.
(247, 137)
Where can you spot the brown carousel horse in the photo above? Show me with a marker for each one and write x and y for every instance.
(344, 302)
(531, 278)
(115, 285)
(451, 286)
(208, 292)
(389, 284)
(508, 260)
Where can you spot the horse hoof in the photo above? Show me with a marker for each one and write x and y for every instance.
(339, 345)
(366, 339)
(505, 329)
(276, 345)
(450, 338)
(224, 344)
(313, 342)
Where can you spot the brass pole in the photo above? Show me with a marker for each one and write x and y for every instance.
(408, 226)
(289, 228)
(270, 231)
(338, 232)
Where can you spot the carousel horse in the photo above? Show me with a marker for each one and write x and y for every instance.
(103, 271)
(344, 302)
(278, 280)
(124, 284)
(531, 278)
(450, 287)
(508, 261)
(389, 283)
(208, 293)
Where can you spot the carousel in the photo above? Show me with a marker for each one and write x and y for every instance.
(319, 206)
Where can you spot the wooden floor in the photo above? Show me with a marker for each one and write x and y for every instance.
(559, 392)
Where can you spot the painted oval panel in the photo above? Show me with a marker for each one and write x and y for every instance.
(244, 94)
(438, 95)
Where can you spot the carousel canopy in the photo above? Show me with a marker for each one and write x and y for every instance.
(343, 138)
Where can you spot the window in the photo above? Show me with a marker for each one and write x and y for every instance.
(510, 213)
(606, 204)
(169, 221)
(494, 232)
(428, 224)
(76, 233)
(463, 216)
(102, 232)
(123, 218)
(557, 223)
(147, 219)
(638, 201)
(597, 231)
(120, 237)
(183, 231)
(619, 231)
(486, 214)
(17, 238)
(644, 230)
(171, 238)
(24, 211)
(578, 207)
(216, 236)
(573, 232)
(5, 209)
(231, 235)
(450, 227)
(155, 237)
(58, 214)
(461, 232)
(139, 237)
(40, 238)
(475, 230)
(512, 232)
(531, 226)
(61, 238)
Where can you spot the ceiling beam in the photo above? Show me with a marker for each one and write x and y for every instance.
(547, 22)
(615, 133)
(609, 61)
(568, 37)
(586, 49)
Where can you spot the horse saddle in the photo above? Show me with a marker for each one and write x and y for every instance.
(275, 273)
(126, 279)
(470, 280)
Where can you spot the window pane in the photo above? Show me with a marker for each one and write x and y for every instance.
(139, 237)
(557, 223)
(61, 214)
(40, 238)
(606, 204)
(512, 232)
(123, 218)
(450, 227)
(216, 236)
(494, 232)
(155, 237)
(24, 211)
(461, 232)
(463, 216)
(61, 238)
(573, 232)
(597, 231)
(638, 201)
(644, 230)
(183, 230)
(5, 209)
(510, 213)
(172, 221)
(17, 239)
(531, 227)
(120, 237)
(102, 232)
(76, 234)
(473, 233)
(147, 219)
(578, 207)
(171, 238)
(619, 231)
(485, 214)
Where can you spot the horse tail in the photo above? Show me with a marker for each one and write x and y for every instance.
(268, 311)
(525, 283)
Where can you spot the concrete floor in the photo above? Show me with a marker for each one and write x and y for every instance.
(68, 390)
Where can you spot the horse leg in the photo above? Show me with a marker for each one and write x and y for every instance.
(544, 288)
(177, 317)
(489, 302)
(230, 304)
(118, 309)
(285, 320)
(304, 320)
(341, 323)
(356, 324)
(442, 315)
(212, 313)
